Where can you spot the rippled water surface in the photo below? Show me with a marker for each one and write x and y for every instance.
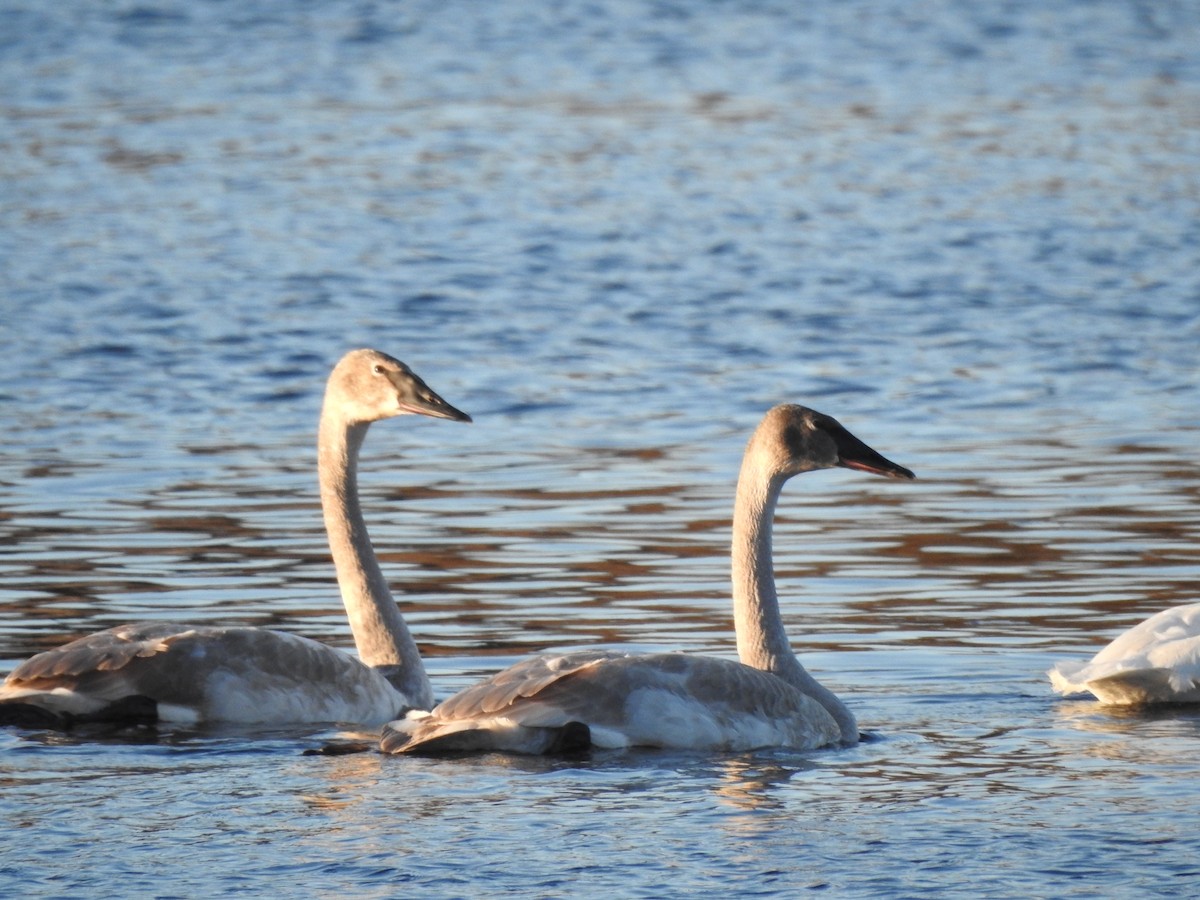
(615, 233)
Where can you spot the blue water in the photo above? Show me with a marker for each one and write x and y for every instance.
(615, 233)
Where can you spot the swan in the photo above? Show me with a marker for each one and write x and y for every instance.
(192, 674)
(612, 699)
(1155, 662)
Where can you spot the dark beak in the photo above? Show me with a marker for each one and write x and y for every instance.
(854, 454)
(416, 396)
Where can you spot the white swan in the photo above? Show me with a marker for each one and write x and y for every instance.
(1155, 662)
(612, 699)
(183, 673)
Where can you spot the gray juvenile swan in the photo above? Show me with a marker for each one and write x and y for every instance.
(607, 699)
(182, 673)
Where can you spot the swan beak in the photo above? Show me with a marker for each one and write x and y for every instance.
(430, 404)
(414, 396)
(854, 454)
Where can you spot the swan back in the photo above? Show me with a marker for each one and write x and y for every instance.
(201, 673)
(614, 700)
(1156, 661)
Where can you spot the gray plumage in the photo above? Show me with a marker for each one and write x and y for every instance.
(613, 699)
(192, 673)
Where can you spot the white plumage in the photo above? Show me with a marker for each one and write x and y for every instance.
(1155, 662)
(188, 673)
(608, 699)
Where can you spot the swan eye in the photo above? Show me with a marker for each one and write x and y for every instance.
(378, 368)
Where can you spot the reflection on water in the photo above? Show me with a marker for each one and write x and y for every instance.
(614, 233)
(933, 608)
(928, 609)
(487, 571)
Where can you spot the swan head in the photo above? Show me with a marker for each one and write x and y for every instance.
(797, 439)
(368, 385)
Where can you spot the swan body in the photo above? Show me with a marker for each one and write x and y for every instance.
(625, 700)
(609, 699)
(194, 674)
(1155, 662)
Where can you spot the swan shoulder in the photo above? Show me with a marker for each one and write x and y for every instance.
(669, 700)
(205, 673)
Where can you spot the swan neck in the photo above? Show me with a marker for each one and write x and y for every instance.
(762, 640)
(380, 633)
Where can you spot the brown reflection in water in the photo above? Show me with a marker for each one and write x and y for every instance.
(119, 156)
(1045, 553)
(1034, 556)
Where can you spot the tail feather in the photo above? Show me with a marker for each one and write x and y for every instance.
(1065, 678)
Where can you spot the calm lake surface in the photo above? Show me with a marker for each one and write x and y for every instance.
(615, 233)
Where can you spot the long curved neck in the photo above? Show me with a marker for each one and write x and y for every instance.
(761, 639)
(382, 637)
